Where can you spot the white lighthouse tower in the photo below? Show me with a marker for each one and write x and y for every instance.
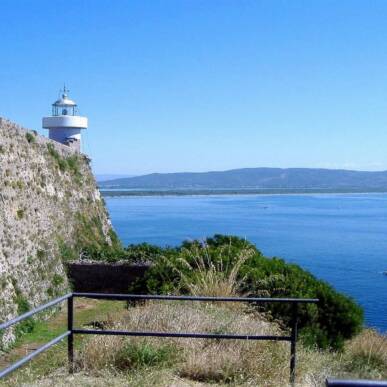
(65, 124)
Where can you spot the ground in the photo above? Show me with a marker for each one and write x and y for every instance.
(121, 361)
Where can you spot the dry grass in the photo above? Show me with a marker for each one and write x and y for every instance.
(213, 278)
(204, 361)
(221, 362)
(370, 345)
(135, 361)
(366, 355)
(120, 361)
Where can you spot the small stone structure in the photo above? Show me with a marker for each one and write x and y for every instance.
(100, 277)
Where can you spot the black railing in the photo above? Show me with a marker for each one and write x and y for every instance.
(355, 383)
(43, 348)
(292, 338)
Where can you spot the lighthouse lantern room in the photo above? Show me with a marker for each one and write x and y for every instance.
(65, 124)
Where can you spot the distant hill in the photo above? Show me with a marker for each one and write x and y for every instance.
(103, 177)
(257, 178)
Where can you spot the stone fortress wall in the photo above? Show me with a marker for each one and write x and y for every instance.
(48, 195)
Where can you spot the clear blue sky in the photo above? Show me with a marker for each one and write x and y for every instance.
(192, 85)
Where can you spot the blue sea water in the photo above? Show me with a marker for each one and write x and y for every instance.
(339, 238)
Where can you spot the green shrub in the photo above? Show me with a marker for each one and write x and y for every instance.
(143, 252)
(66, 252)
(20, 213)
(336, 317)
(30, 137)
(41, 254)
(144, 354)
(60, 161)
(23, 306)
(91, 242)
(71, 163)
(57, 280)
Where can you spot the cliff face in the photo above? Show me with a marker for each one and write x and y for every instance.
(49, 206)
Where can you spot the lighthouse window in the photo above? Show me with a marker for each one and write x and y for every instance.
(64, 112)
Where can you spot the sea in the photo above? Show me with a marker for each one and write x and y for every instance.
(340, 238)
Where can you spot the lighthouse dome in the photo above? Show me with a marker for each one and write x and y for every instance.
(64, 105)
(64, 101)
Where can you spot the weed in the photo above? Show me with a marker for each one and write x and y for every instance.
(30, 137)
(139, 354)
(41, 254)
(71, 163)
(57, 280)
(208, 275)
(366, 352)
(23, 306)
(66, 252)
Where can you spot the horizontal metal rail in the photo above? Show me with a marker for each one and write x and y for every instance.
(105, 296)
(34, 311)
(355, 383)
(31, 355)
(181, 334)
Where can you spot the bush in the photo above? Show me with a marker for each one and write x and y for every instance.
(71, 163)
(30, 137)
(143, 252)
(367, 354)
(23, 306)
(140, 354)
(336, 317)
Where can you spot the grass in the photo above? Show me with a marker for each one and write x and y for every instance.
(135, 361)
(368, 355)
(212, 277)
(86, 311)
(213, 361)
(123, 361)
(70, 163)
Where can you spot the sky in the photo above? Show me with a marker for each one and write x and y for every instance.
(192, 85)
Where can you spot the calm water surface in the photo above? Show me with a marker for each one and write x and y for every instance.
(339, 238)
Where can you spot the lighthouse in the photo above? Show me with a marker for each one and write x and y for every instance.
(65, 125)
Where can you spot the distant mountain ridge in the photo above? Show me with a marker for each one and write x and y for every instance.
(103, 177)
(257, 178)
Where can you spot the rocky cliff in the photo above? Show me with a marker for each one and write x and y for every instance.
(49, 207)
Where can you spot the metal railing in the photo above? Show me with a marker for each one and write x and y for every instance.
(71, 331)
(355, 383)
(44, 347)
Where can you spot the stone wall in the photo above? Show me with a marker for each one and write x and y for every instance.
(48, 198)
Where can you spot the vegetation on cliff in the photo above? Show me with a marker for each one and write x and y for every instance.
(328, 324)
(336, 318)
(220, 266)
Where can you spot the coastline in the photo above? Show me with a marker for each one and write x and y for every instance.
(231, 192)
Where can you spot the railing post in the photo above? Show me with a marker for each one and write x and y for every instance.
(293, 343)
(70, 337)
